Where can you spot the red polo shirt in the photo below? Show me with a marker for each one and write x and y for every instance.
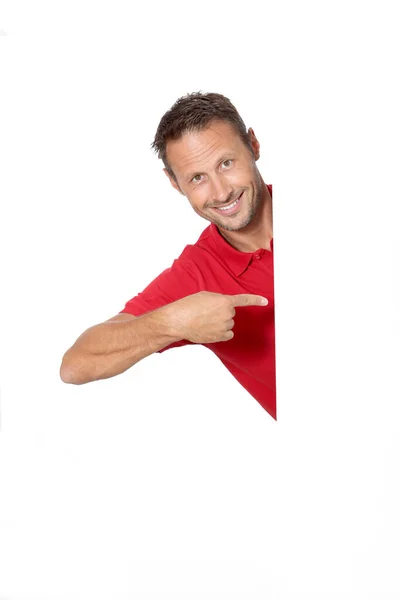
(212, 265)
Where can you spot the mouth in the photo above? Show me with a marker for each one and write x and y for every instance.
(234, 207)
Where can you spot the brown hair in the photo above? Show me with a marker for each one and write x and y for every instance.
(194, 112)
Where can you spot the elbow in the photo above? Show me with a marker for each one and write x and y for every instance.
(66, 377)
(68, 373)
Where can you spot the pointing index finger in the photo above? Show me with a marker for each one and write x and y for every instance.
(249, 300)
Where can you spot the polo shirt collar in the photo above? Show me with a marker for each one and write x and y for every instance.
(236, 260)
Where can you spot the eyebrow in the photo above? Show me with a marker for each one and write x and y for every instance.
(225, 156)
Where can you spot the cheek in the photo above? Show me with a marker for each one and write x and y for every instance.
(240, 178)
(199, 198)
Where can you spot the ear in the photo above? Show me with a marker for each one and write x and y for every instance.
(255, 144)
(173, 182)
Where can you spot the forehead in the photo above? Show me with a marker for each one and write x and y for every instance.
(196, 148)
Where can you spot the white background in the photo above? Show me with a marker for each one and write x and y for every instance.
(170, 481)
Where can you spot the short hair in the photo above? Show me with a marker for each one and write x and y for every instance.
(194, 112)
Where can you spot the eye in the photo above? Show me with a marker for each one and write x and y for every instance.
(227, 162)
(196, 179)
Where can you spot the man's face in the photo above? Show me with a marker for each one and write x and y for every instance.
(214, 168)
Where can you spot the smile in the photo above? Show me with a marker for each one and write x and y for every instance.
(231, 208)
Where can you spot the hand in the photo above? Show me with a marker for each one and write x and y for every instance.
(207, 317)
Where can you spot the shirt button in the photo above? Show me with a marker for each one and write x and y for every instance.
(258, 256)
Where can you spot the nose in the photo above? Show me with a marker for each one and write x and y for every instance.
(221, 190)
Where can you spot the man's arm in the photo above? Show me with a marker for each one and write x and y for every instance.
(112, 347)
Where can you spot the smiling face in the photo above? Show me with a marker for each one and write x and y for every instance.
(214, 168)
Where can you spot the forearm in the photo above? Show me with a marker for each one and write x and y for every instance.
(110, 348)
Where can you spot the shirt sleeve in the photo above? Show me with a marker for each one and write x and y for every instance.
(174, 283)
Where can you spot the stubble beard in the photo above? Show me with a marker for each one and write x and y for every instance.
(252, 207)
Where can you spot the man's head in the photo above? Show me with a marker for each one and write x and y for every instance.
(209, 157)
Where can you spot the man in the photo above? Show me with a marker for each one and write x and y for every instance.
(219, 292)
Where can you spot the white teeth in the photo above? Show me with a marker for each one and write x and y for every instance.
(230, 206)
